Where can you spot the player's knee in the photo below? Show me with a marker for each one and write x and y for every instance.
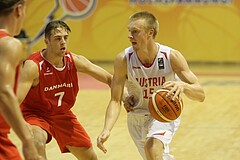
(150, 144)
(39, 143)
(154, 149)
(83, 153)
(94, 157)
(91, 155)
(40, 138)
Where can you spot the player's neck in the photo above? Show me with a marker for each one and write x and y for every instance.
(147, 55)
(56, 61)
(6, 26)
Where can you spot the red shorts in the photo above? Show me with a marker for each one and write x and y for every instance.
(4, 127)
(64, 127)
(7, 149)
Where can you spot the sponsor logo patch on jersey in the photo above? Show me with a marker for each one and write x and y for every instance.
(48, 72)
(160, 63)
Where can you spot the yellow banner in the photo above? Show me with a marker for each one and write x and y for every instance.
(202, 30)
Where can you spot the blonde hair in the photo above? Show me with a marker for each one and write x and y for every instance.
(151, 20)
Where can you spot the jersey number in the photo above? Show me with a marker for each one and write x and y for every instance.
(60, 94)
(148, 92)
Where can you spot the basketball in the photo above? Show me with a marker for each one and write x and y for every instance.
(78, 8)
(163, 108)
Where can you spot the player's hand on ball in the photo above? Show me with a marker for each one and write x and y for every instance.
(129, 103)
(101, 139)
(174, 87)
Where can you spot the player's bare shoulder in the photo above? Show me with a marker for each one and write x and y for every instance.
(31, 69)
(120, 64)
(177, 60)
(175, 54)
(82, 63)
(75, 55)
(121, 55)
(78, 58)
(120, 59)
(11, 48)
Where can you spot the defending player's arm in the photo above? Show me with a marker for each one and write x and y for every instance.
(28, 77)
(189, 83)
(114, 106)
(9, 106)
(84, 65)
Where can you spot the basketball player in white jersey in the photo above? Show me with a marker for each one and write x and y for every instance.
(145, 67)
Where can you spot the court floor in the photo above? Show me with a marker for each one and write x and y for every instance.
(208, 130)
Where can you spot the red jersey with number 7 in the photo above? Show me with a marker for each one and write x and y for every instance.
(57, 89)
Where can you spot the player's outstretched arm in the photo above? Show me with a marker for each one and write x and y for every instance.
(114, 106)
(85, 66)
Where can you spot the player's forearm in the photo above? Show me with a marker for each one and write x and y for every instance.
(11, 112)
(100, 74)
(112, 115)
(194, 92)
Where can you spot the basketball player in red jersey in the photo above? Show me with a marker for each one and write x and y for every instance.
(145, 67)
(12, 13)
(48, 86)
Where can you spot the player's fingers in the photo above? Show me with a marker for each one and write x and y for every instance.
(180, 97)
(131, 100)
(99, 142)
(180, 94)
(100, 145)
(172, 91)
(168, 85)
(176, 94)
(127, 107)
(129, 103)
(101, 139)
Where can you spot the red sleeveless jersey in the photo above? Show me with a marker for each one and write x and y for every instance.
(4, 127)
(57, 89)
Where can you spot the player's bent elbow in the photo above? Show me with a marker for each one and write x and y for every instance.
(202, 97)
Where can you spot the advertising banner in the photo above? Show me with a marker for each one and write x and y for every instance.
(202, 30)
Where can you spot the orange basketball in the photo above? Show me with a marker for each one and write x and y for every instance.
(78, 8)
(163, 108)
(75, 5)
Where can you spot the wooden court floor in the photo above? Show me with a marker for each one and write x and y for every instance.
(208, 131)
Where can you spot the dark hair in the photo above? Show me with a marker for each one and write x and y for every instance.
(55, 24)
(151, 20)
(6, 6)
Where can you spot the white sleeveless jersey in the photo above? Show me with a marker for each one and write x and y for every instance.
(144, 80)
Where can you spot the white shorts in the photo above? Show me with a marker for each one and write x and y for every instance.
(142, 126)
